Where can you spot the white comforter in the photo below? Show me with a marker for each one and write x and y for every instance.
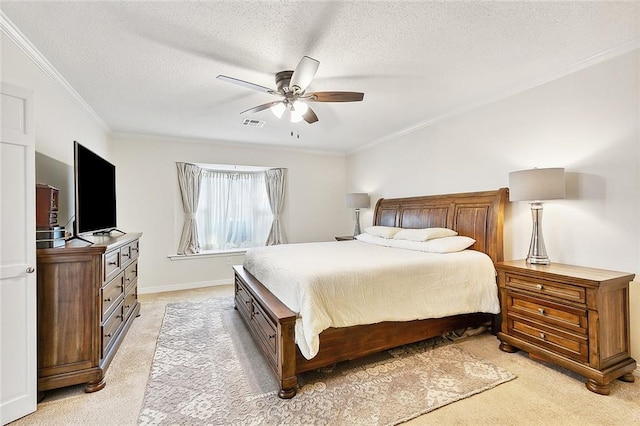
(340, 284)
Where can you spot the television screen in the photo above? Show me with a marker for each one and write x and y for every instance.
(95, 191)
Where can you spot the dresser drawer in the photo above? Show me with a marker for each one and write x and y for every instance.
(131, 275)
(562, 342)
(112, 295)
(546, 289)
(112, 263)
(135, 249)
(125, 254)
(548, 312)
(129, 303)
(111, 327)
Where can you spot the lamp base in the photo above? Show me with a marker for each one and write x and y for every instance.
(356, 230)
(538, 260)
(537, 251)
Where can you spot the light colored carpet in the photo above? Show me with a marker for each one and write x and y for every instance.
(541, 395)
(198, 377)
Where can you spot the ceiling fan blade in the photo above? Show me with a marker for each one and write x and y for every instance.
(310, 116)
(334, 96)
(261, 107)
(304, 73)
(247, 85)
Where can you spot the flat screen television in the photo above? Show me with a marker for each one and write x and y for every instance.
(95, 192)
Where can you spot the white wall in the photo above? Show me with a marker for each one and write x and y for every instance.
(587, 122)
(59, 120)
(149, 202)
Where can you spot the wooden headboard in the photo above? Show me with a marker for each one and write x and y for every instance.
(478, 215)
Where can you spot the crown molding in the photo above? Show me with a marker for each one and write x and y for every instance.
(223, 143)
(605, 55)
(11, 31)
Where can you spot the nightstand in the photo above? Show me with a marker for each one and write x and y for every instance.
(345, 238)
(575, 317)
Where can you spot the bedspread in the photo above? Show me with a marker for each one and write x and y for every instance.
(341, 284)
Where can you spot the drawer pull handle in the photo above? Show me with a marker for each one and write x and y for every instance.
(107, 335)
(541, 310)
(272, 336)
(134, 249)
(543, 336)
(539, 286)
(108, 299)
(114, 263)
(127, 306)
(127, 279)
(125, 254)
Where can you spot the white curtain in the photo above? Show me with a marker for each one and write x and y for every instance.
(189, 178)
(234, 210)
(275, 181)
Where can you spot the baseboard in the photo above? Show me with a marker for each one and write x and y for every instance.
(183, 286)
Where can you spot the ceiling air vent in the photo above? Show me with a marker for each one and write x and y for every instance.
(251, 122)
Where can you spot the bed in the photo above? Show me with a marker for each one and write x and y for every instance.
(478, 215)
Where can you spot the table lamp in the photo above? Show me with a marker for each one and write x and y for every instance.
(357, 200)
(535, 186)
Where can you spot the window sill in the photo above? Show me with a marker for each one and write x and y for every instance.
(207, 254)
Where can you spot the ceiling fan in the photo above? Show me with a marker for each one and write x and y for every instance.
(291, 86)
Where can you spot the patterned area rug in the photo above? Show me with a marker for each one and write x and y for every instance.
(207, 370)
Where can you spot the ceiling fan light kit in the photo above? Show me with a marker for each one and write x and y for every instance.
(291, 86)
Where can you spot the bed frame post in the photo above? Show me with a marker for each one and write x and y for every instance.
(287, 362)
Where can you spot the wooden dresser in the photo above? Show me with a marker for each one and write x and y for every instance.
(572, 316)
(87, 300)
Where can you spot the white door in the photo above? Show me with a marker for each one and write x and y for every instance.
(18, 328)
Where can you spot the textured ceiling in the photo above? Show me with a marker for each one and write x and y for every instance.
(150, 67)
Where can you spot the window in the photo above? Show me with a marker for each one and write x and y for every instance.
(230, 207)
(233, 210)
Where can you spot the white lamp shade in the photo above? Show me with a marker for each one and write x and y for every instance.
(357, 200)
(537, 185)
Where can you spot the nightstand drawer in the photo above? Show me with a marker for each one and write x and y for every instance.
(570, 345)
(554, 314)
(546, 289)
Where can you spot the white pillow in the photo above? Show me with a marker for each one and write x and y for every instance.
(382, 231)
(438, 245)
(368, 238)
(424, 234)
